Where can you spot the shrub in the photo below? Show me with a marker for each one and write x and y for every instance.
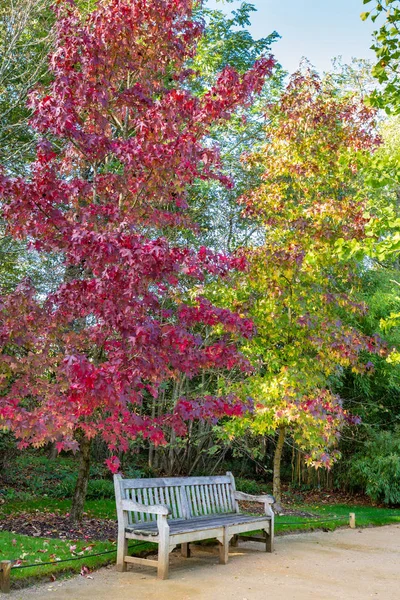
(64, 489)
(249, 486)
(39, 475)
(35, 474)
(376, 469)
(133, 472)
(100, 489)
(12, 495)
(8, 451)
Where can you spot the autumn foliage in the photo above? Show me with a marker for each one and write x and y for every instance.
(120, 140)
(302, 296)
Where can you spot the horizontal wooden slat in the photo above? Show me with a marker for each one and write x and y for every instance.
(200, 523)
(172, 481)
(195, 536)
(141, 561)
(204, 534)
(145, 538)
(158, 509)
(249, 527)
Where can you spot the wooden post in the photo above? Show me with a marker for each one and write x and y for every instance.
(224, 547)
(122, 547)
(269, 535)
(5, 572)
(163, 547)
(232, 486)
(269, 538)
(185, 550)
(352, 520)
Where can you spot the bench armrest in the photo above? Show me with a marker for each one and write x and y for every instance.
(264, 499)
(250, 498)
(157, 509)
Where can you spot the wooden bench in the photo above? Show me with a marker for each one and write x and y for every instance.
(171, 511)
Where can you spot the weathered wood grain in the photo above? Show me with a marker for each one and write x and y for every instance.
(141, 561)
(157, 509)
(224, 547)
(180, 510)
(250, 498)
(173, 481)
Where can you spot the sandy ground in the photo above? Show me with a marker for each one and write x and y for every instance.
(346, 564)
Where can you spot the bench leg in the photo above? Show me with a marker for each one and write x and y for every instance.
(122, 551)
(235, 541)
(224, 548)
(163, 547)
(269, 539)
(163, 561)
(185, 550)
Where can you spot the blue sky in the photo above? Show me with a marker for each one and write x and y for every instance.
(317, 29)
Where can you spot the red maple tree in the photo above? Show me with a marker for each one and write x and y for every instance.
(122, 138)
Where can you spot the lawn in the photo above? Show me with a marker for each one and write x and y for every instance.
(103, 509)
(366, 516)
(34, 550)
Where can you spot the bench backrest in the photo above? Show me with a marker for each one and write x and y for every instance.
(186, 497)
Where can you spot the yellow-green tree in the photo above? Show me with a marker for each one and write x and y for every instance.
(297, 290)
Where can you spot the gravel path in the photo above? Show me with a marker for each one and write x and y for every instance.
(343, 565)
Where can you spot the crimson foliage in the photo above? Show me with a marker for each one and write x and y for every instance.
(121, 139)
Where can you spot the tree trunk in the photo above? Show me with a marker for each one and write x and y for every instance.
(78, 501)
(53, 452)
(171, 461)
(277, 467)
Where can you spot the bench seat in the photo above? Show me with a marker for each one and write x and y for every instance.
(198, 524)
(171, 511)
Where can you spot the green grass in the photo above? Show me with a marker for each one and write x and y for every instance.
(35, 550)
(333, 516)
(102, 509)
(30, 550)
(366, 516)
